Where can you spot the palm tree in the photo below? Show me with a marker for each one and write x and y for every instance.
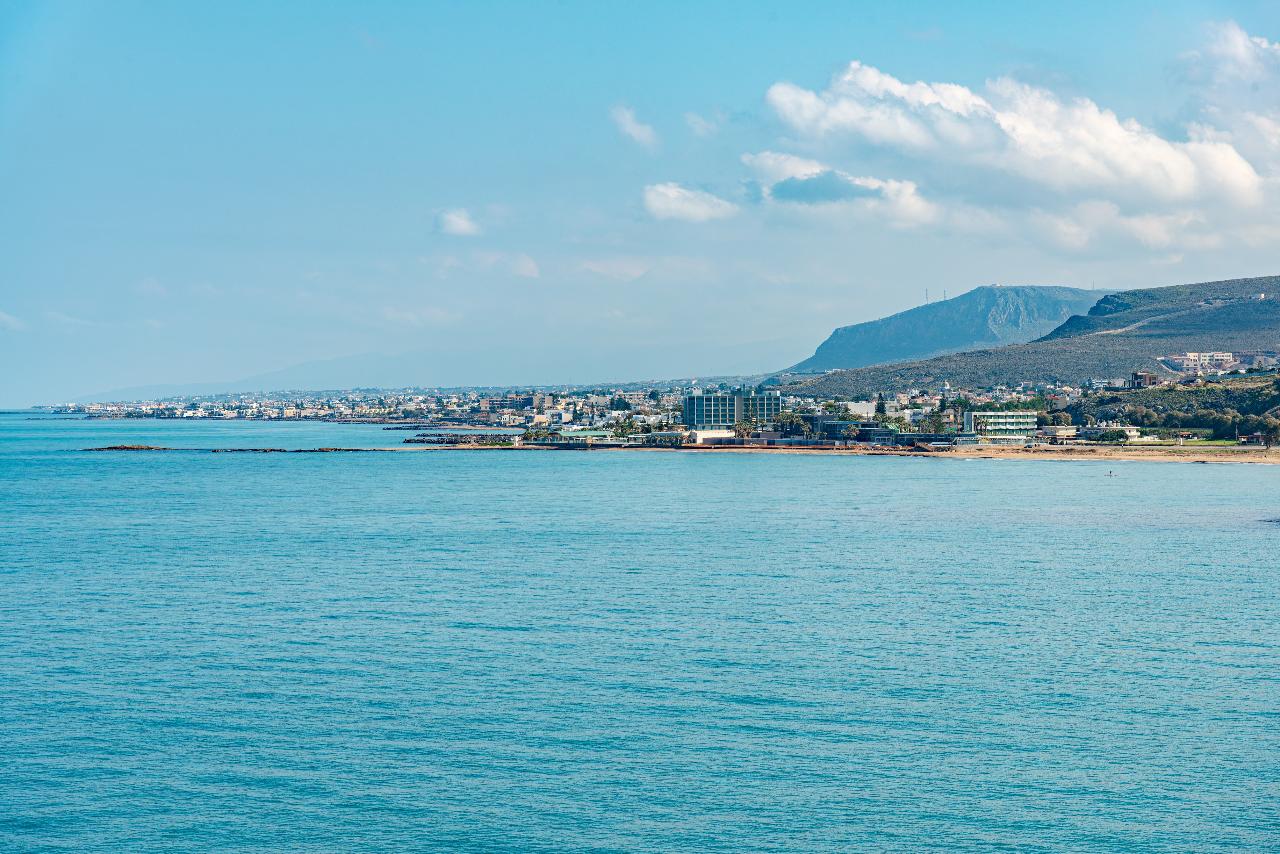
(744, 428)
(625, 428)
(789, 423)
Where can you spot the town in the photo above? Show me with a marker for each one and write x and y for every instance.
(767, 414)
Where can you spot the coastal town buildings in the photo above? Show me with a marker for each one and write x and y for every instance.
(675, 414)
(703, 410)
(1220, 362)
(1001, 427)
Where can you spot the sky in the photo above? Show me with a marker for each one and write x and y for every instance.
(519, 193)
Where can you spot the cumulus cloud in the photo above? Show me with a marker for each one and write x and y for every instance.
(702, 126)
(1087, 224)
(1011, 159)
(787, 178)
(773, 166)
(1236, 76)
(1233, 54)
(457, 222)
(828, 186)
(672, 201)
(1062, 171)
(632, 128)
(1067, 146)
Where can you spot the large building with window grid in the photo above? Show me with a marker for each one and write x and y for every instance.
(1001, 428)
(709, 410)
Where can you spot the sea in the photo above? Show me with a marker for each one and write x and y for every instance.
(496, 650)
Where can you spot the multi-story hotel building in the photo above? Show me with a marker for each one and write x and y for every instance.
(1001, 428)
(709, 410)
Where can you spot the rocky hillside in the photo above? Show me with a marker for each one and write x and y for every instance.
(989, 316)
(1122, 333)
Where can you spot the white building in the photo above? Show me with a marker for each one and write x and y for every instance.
(1001, 428)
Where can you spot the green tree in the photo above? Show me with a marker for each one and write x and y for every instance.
(790, 423)
(744, 428)
(1271, 434)
(933, 423)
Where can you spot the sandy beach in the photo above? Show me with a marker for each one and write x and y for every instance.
(1155, 454)
(1136, 453)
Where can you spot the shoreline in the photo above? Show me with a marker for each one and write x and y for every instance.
(1167, 454)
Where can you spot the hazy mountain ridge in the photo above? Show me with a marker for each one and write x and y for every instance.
(1122, 333)
(988, 316)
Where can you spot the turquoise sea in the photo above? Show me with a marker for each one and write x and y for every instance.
(627, 651)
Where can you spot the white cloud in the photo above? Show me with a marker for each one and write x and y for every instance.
(1087, 224)
(772, 166)
(702, 126)
(516, 264)
(8, 321)
(1071, 147)
(1234, 54)
(902, 203)
(525, 267)
(458, 222)
(799, 180)
(1010, 158)
(631, 127)
(1237, 76)
(672, 201)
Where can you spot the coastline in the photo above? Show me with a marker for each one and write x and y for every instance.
(1171, 454)
(1163, 454)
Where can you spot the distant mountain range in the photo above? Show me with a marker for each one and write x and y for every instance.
(1123, 332)
(425, 368)
(988, 316)
(1079, 337)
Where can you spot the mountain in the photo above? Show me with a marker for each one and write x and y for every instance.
(1122, 333)
(988, 316)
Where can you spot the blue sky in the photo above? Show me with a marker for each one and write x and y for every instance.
(524, 193)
